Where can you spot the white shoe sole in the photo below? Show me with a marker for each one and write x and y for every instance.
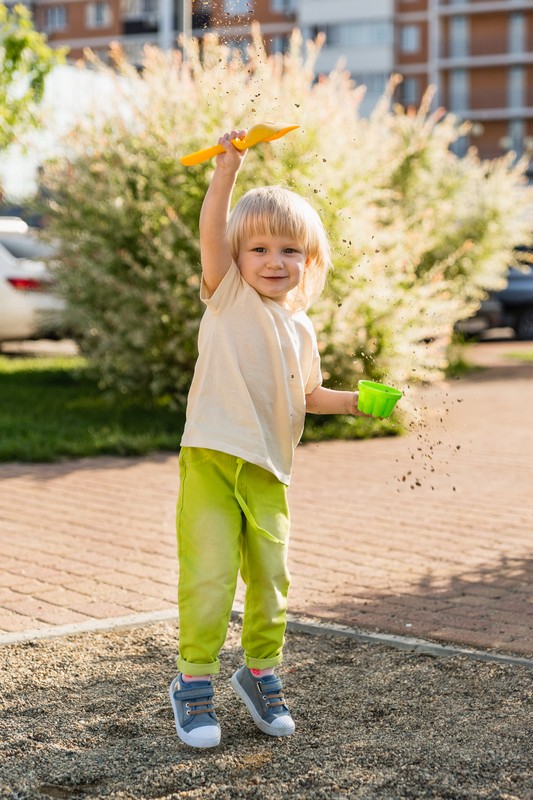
(207, 741)
(259, 721)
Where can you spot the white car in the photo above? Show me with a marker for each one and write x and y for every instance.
(28, 306)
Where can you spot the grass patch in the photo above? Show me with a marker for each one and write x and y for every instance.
(527, 357)
(51, 409)
(319, 428)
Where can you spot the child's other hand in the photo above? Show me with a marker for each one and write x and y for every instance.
(232, 158)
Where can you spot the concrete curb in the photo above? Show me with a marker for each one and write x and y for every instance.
(407, 643)
(300, 624)
(91, 626)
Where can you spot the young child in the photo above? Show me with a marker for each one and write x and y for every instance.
(258, 372)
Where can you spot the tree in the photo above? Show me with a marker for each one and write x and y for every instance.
(25, 61)
(418, 235)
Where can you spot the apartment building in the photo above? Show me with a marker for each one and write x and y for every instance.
(479, 56)
(79, 23)
(357, 33)
(477, 53)
(230, 19)
(134, 23)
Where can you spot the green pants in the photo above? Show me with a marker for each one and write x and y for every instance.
(231, 514)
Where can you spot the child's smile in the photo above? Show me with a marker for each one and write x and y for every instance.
(272, 265)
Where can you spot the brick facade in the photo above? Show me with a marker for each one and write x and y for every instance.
(479, 54)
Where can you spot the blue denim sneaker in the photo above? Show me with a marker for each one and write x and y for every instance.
(196, 721)
(263, 697)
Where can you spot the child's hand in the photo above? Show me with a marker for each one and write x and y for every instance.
(232, 158)
(355, 411)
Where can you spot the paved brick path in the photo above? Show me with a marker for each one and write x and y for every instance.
(429, 535)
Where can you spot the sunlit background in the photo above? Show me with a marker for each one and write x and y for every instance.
(477, 55)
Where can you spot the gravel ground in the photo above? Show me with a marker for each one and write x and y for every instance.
(88, 716)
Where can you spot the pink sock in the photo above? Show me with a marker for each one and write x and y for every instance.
(192, 678)
(260, 673)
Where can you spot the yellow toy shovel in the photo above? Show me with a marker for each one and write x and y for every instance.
(264, 132)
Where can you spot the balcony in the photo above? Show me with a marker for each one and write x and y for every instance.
(489, 59)
(144, 23)
(476, 112)
(499, 97)
(445, 9)
(476, 44)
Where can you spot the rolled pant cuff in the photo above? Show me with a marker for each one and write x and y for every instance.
(262, 663)
(188, 668)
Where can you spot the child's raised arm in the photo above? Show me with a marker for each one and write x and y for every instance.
(214, 244)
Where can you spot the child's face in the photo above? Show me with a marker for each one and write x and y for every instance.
(272, 265)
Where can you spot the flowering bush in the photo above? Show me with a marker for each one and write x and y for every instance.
(417, 234)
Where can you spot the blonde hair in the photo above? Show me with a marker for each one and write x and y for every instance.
(276, 211)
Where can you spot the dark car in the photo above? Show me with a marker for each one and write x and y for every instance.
(511, 307)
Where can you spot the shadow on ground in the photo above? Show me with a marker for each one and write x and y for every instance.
(42, 472)
(88, 717)
(491, 604)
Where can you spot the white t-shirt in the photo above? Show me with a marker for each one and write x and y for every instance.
(257, 360)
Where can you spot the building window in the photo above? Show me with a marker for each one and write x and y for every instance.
(460, 147)
(239, 48)
(236, 7)
(357, 34)
(410, 91)
(517, 31)
(458, 90)
(410, 39)
(56, 18)
(279, 44)
(98, 15)
(515, 87)
(140, 9)
(458, 37)
(375, 82)
(283, 6)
